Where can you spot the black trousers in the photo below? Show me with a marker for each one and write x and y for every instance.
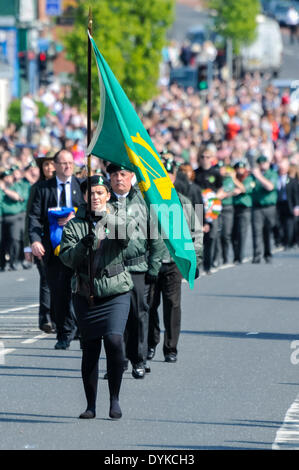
(59, 281)
(242, 217)
(286, 225)
(263, 221)
(227, 222)
(12, 231)
(169, 284)
(46, 315)
(209, 243)
(1, 241)
(136, 332)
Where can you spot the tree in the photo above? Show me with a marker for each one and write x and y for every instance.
(130, 34)
(236, 20)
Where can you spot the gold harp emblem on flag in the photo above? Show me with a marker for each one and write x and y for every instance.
(162, 183)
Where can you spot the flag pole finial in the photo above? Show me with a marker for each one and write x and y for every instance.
(90, 21)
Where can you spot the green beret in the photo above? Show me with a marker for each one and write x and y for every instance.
(261, 159)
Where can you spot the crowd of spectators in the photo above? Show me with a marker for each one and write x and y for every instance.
(237, 122)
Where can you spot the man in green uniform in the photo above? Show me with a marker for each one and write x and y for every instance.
(242, 211)
(13, 207)
(169, 284)
(264, 198)
(143, 261)
(231, 186)
(1, 208)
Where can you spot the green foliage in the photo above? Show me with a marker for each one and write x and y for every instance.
(14, 113)
(130, 34)
(42, 109)
(236, 19)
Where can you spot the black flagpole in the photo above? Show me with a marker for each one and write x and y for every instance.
(90, 225)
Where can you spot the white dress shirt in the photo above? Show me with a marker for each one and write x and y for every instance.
(68, 187)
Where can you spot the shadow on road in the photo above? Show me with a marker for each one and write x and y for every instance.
(245, 334)
(261, 297)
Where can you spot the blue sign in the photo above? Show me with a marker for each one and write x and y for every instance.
(53, 7)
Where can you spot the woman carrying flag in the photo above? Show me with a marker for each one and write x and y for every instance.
(106, 317)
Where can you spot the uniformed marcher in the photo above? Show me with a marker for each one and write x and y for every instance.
(264, 198)
(242, 211)
(169, 285)
(13, 208)
(143, 260)
(231, 187)
(106, 317)
(1, 210)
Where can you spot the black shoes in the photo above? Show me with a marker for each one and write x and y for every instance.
(115, 411)
(138, 371)
(146, 368)
(13, 267)
(88, 414)
(268, 259)
(62, 345)
(151, 353)
(256, 260)
(171, 357)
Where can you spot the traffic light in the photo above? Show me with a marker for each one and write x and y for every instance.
(23, 65)
(202, 76)
(43, 68)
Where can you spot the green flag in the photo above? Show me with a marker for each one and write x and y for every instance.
(121, 138)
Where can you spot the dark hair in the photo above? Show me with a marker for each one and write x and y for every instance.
(56, 156)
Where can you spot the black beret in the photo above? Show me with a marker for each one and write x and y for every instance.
(169, 164)
(95, 180)
(239, 165)
(5, 173)
(113, 168)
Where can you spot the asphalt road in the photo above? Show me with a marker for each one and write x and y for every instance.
(235, 385)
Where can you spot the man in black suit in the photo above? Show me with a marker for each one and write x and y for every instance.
(287, 204)
(63, 190)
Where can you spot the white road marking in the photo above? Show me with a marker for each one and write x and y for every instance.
(33, 340)
(17, 309)
(19, 317)
(3, 352)
(287, 436)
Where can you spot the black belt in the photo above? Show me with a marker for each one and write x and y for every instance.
(134, 261)
(112, 270)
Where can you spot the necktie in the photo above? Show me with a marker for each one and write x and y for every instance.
(62, 201)
(122, 200)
